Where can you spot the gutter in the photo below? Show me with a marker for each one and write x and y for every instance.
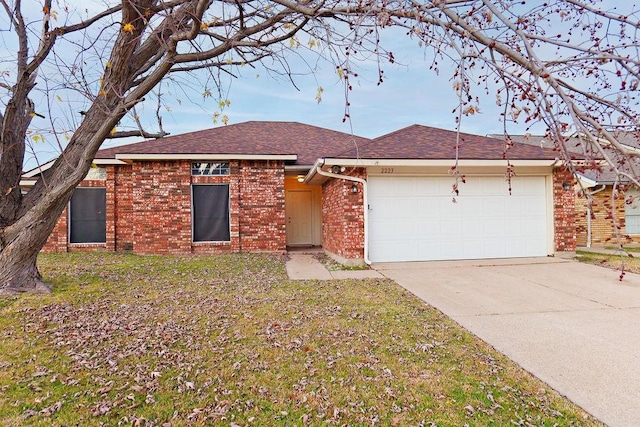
(365, 204)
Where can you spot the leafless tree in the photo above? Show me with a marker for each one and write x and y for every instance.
(570, 64)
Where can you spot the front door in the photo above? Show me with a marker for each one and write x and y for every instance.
(299, 219)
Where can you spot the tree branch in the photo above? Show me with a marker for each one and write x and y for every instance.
(139, 133)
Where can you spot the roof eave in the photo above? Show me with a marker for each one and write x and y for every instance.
(586, 181)
(314, 178)
(33, 173)
(437, 162)
(30, 182)
(108, 162)
(219, 156)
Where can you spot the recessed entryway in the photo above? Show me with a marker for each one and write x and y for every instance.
(298, 212)
(303, 210)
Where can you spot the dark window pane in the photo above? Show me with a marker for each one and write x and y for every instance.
(88, 216)
(211, 213)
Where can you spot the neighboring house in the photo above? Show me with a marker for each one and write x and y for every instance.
(596, 221)
(267, 186)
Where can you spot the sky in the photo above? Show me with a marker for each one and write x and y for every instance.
(410, 94)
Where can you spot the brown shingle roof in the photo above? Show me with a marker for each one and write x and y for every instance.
(267, 138)
(423, 142)
(537, 140)
(310, 143)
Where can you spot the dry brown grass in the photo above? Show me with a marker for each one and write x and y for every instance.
(228, 340)
(622, 261)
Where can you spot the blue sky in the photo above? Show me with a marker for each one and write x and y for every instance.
(410, 94)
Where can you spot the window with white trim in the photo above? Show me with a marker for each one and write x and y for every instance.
(210, 168)
(632, 212)
(210, 213)
(87, 215)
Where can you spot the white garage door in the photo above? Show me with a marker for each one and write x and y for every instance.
(414, 218)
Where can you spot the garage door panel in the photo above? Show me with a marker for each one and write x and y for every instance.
(449, 227)
(534, 205)
(449, 209)
(414, 218)
(433, 189)
(428, 209)
(472, 228)
(406, 230)
(426, 231)
(519, 206)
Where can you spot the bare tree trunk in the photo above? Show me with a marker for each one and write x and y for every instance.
(19, 273)
(27, 221)
(22, 239)
(18, 269)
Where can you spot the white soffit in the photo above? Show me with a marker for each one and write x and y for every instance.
(435, 162)
(126, 157)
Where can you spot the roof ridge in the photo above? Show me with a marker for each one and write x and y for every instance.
(397, 131)
(357, 147)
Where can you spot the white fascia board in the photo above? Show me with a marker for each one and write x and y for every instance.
(125, 157)
(108, 162)
(312, 172)
(38, 169)
(28, 182)
(297, 167)
(432, 162)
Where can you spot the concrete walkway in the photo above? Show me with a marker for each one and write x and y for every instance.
(301, 266)
(573, 325)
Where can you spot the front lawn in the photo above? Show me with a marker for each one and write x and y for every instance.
(619, 261)
(228, 340)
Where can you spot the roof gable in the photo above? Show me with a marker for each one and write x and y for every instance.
(248, 138)
(423, 142)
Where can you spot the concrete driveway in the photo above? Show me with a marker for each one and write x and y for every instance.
(574, 326)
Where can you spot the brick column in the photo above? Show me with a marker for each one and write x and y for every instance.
(564, 211)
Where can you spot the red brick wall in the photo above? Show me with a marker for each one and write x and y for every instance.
(262, 214)
(58, 239)
(149, 209)
(564, 211)
(119, 179)
(161, 207)
(343, 218)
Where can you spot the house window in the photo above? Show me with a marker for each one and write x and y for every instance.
(632, 212)
(87, 216)
(209, 168)
(211, 213)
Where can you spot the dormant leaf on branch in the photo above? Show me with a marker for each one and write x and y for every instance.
(319, 94)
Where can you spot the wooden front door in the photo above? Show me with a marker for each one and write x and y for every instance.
(299, 217)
